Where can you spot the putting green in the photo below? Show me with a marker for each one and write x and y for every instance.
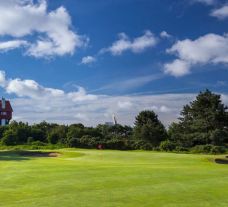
(92, 178)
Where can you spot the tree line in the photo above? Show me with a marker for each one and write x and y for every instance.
(202, 127)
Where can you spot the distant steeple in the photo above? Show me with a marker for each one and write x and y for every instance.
(114, 119)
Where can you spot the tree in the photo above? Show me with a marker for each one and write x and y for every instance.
(9, 138)
(57, 134)
(149, 128)
(203, 121)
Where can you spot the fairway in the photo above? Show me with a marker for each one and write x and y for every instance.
(90, 178)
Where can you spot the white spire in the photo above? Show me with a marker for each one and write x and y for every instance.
(114, 119)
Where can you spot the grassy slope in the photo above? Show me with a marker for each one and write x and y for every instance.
(113, 178)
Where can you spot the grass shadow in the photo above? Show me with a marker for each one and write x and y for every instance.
(11, 156)
(22, 155)
(221, 161)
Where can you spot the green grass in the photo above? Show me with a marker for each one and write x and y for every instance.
(91, 178)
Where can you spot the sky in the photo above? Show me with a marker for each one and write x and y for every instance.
(74, 61)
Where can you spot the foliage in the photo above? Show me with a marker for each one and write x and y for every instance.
(210, 149)
(202, 122)
(167, 145)
(9, 138)
(149, 129)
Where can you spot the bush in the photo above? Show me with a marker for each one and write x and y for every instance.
(88, 141)
(9, 138)
(142, 145)
(181, 149)
(218, 150)
(167, 145)
(210, 149)
(38, 143)
(202, 148)
(30, 140)
(73, 142)
(218, 137)
(53, 138)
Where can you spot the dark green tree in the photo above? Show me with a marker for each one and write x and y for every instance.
(9, 138)
(203, 121)
(149, 128)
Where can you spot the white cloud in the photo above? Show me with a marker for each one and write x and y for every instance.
(220, 13)
(164, 109)
(88, 60)
(81, 95)
(177, 68)
(131, 83)
(93, 112)
(136, 45)
(161, 109)
(2, 78)
(208, 2)
(13, 44)
(124, 104)
(208, 49)
(51, 31)
(165, 34)
(34, 103)
(32, 89)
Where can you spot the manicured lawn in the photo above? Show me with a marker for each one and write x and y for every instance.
(112, 179)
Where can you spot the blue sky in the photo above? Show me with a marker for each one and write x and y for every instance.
(83, 60)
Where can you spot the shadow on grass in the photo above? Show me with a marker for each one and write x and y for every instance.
(21, 155)
(11, 156)
(221, 161)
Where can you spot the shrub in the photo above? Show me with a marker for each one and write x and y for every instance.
(218, 150)
(167, 145)
(9, 138)
(210, 149)
(88, 141)
(38, 143)
(73, 142)
(181, 149)
(202, 148)
(30, 140)
(218, 137)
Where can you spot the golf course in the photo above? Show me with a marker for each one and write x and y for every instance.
(108, 178)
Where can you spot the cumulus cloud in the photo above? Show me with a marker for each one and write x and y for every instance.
(161, 109)
(88, 60)
(136, 45)
(30, 88)
(208, 49)
(93, 112)
(165, 34)
(177, 68)
(220, 13)
(81, 95)
(33, 103)
(37, 103)
(51, 31)
(12, 44)
(33, 90)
